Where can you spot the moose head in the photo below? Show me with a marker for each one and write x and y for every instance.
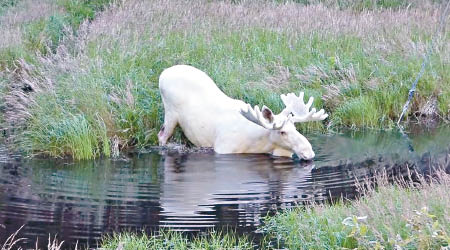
(282, 126)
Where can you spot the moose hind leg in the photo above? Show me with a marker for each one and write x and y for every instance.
(167, 129)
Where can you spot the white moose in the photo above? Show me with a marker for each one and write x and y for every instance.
(209, 118)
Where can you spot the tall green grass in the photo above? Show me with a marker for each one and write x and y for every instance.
(53, 129)
(107, 70)
(68, 135)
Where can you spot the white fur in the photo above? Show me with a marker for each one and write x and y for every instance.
(209, 118)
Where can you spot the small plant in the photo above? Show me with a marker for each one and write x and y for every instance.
(358, 231)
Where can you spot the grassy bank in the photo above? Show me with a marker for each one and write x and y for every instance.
(401, 216)
(406, 215)
(82, 80)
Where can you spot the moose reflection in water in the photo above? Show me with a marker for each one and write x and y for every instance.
(195, 185)
(84, 200)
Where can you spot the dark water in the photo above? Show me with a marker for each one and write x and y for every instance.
(158, 189)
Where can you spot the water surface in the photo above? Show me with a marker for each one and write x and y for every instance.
(193, 192)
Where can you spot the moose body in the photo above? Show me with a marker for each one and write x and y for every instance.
(209, 118)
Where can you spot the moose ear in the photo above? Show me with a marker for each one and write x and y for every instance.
(267, 114)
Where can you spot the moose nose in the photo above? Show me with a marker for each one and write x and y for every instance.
(308, 156)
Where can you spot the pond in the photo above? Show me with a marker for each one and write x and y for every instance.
(82, 201)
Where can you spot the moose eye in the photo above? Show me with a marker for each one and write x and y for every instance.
(282, 133)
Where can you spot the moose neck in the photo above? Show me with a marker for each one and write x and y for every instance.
(261, 140)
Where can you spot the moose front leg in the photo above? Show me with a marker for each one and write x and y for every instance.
(170, 122)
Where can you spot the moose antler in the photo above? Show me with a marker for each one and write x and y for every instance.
(301, 112)
(264, 118)
(296, 111)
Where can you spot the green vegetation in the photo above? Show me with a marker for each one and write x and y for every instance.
(176, 240)
(28, 32)
(403, 215)
(406, 215)
(5, 4)
(82, 10)
(70, 134)
(99, 64)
